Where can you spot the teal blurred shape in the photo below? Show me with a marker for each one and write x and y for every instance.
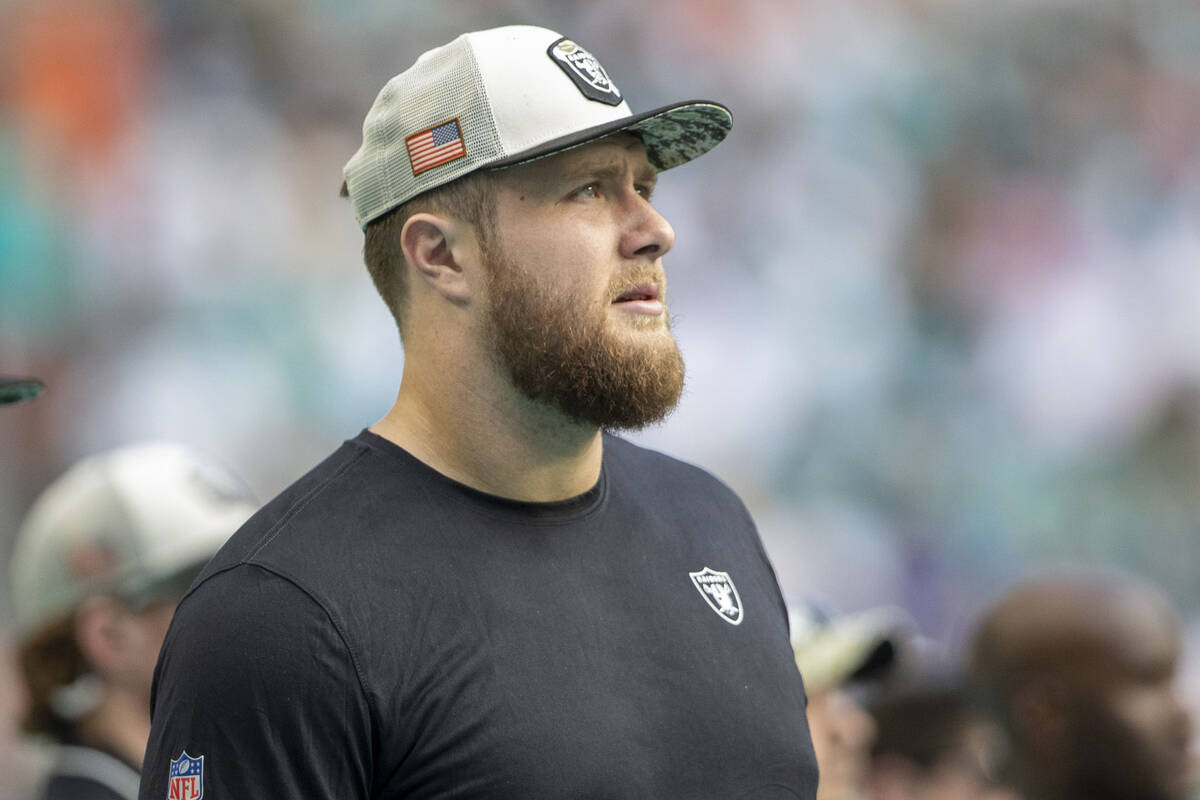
(16, 390)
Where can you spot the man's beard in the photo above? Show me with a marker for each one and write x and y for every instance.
(558, 351)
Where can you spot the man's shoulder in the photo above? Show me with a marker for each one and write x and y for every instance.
(679, 491)
(625, 460)
(361, 490)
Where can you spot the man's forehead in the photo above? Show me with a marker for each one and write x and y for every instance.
(618, 150)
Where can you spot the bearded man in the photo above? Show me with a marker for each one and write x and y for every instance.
(487, 594)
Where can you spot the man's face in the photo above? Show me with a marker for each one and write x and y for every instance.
(842, 734)
(576, 289)
(144, 631)
(1132, 733)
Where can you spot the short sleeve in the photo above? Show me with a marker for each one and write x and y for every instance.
(256, 694)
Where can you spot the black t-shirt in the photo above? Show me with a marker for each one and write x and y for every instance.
(88, 773)
(381, 631)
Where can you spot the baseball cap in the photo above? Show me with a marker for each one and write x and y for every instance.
(833, 650)
(500, 97)
(16, 390)
(130, 522)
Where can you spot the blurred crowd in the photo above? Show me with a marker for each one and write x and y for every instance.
(1067, 689)
(939, 292)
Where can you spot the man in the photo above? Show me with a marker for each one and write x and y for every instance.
(933, 743)
(100, 561)
(1081, 668)
(485, 594)
(18, 769)
(838, 656)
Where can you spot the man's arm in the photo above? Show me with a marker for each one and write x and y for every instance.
(255, 679)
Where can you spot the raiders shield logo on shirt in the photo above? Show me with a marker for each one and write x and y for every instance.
(583, 68)
(718, 590)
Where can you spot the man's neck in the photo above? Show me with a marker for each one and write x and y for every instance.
(497, 442)
(120, 725)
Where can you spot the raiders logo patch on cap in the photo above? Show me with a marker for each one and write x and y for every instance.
(583, 68)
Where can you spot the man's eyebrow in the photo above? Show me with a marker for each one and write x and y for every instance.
(605, 170)
(646, 174)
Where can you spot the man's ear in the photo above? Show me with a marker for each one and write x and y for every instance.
(428, 241)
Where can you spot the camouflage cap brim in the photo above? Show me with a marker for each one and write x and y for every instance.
(17, 390)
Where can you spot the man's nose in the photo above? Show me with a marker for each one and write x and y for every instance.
(647, 233)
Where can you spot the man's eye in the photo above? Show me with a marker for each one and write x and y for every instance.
(591, 190)
(645, 191)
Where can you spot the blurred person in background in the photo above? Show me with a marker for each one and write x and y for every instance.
(20, 765)
(100, 561)
(932, 742)
(1080, 667)
(838, 657)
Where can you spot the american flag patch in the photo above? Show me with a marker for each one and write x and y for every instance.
(435, 146)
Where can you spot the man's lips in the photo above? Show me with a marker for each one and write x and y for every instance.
(640, 299)
(643, 291)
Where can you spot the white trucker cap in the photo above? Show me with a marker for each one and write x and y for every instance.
(500, 97)
(831, 651)
(129, 522)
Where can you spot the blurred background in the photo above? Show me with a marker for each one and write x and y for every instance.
(939, 293)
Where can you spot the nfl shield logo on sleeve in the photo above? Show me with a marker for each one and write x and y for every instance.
(187, 778)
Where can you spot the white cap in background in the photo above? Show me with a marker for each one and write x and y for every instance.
(125, 522)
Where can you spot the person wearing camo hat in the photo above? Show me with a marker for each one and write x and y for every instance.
(487, 593)
(100, 560)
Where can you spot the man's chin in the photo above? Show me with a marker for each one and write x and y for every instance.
(643, 337)
(614, 368)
